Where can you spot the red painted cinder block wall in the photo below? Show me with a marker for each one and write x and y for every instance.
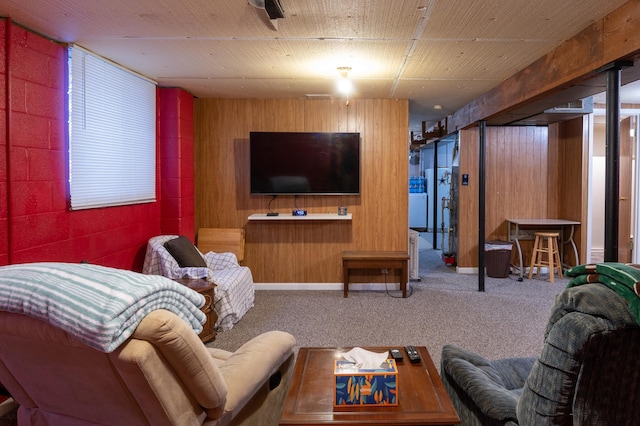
(175, 133)
(35, 222)
(4, 235)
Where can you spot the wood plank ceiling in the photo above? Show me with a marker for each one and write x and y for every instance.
(433, 52)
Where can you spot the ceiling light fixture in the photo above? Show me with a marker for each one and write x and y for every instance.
(344, 84)
(344, 71)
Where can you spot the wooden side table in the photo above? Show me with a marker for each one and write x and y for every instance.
(207, 289)
(376, 260)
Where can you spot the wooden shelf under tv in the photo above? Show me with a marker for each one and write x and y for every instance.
(310, 216)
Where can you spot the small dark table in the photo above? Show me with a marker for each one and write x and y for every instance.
(207, 289)
(422, 398)
(376, 260)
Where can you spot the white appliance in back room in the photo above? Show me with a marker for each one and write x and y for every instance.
(418, 210)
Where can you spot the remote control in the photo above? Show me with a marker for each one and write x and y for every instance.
(272, 214)
(412, 353)
(396, 354)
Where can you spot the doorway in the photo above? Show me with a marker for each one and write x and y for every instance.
(628, 210)
(437, 160)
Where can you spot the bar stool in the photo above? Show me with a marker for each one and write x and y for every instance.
(552, 254)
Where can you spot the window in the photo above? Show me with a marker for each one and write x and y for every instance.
(112, 133)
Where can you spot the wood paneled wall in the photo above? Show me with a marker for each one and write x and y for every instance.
(531, 172)
(303, 252)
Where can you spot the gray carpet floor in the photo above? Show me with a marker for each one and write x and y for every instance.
(507, 319)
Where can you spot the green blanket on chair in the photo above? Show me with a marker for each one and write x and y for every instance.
(622, 278)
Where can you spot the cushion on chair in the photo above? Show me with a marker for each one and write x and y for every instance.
(185, 253)
(491, 388)
(253, 363)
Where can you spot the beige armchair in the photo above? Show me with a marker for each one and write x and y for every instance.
(162, 375)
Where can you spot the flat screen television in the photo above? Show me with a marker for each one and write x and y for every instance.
(304, 163)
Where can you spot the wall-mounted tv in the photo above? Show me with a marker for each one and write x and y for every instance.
(299, 163)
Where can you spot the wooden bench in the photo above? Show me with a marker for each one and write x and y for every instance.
(398, 260)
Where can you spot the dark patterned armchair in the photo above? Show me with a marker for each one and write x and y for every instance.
(588, 372)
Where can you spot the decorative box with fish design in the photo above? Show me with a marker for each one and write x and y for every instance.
(357, 386)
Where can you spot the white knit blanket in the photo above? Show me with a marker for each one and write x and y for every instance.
(98, 305)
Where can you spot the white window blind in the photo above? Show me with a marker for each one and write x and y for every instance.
(112, 134)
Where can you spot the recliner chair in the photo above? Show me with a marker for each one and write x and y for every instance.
(85, 344)
(588, 372)
(162, 375)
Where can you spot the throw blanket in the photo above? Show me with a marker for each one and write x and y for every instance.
(100, 306)
(622, 278)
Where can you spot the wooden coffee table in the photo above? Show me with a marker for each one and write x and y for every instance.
(422, 398)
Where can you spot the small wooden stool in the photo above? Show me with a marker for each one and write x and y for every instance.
(553, 254)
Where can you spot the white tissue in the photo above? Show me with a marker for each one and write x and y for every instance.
(365, 359)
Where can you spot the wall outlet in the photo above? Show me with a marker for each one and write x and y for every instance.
(385, 271)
